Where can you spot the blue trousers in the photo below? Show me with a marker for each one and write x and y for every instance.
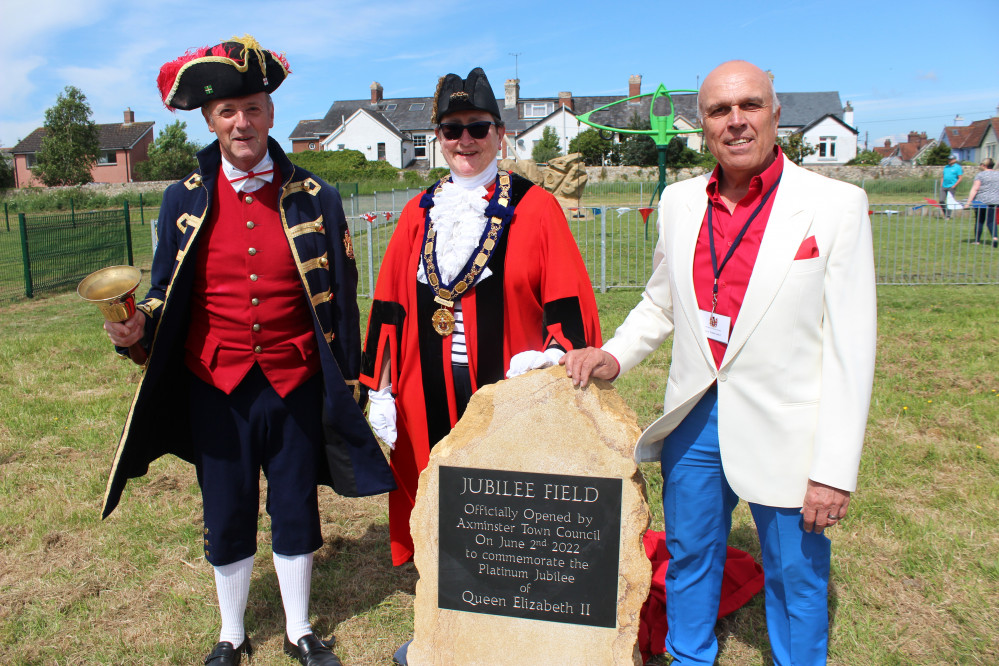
(697, 509)
(238, 435)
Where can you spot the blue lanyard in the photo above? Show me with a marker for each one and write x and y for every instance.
(738, 239)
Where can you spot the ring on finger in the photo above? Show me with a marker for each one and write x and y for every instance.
(832, 517)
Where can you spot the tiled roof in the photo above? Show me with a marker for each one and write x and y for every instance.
(798, 109)
(907, 151)
(968, 136)
(112, 136)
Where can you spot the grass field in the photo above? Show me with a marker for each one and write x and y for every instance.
(915, 571)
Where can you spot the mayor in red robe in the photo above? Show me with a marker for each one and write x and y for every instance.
(482, 273)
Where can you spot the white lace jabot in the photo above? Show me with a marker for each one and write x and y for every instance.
(459, 218)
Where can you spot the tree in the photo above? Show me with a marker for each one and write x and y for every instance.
(171, 155)
(870, 157)
(592, 146)
(70, 146)
(678, 155)
(639, 149)
(795, 147)
(938, 155)
(6, 171)
(547, 149)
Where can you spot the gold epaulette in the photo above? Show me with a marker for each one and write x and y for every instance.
(194, 182)
(309, 185)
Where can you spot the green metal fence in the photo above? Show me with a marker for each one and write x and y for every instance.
(49, 252)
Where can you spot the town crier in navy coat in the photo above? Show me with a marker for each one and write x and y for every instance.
(252, 328)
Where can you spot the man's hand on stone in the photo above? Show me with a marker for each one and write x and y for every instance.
(583, 364)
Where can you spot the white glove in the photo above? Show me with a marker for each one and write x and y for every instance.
(533, 360)
(381, 414)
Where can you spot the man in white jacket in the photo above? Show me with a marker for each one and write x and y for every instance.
(764, 275)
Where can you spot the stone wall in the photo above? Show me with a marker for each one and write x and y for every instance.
(110, 189)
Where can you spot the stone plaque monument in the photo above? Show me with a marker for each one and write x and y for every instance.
(528, 530)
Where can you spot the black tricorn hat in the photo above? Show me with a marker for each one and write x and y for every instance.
(235, 68)
(470, 94)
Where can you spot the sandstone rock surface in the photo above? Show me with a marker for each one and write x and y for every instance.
(539, 423)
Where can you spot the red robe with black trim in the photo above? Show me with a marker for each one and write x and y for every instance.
(538, 292)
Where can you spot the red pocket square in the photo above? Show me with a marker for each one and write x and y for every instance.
(808, 249)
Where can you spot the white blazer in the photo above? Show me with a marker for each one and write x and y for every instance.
(794, 386)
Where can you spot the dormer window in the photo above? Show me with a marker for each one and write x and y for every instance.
(537, 109)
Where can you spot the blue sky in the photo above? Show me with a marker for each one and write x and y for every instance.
(901, 65)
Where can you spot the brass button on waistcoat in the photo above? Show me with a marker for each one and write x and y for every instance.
(250, 224)
(323, 262)
(258, 349)
(252, 251)
(249, 199)
(253, 277)
(254, 301)
(256, 328)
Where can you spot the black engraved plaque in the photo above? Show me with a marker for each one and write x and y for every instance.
(535, 546)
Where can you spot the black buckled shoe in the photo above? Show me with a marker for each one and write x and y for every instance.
(311, 651)
(225, 654)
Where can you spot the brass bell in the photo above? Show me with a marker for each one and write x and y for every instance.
(112, 290)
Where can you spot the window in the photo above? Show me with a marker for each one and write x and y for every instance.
(381, 151)
(30, 159)
(391, 107)
(108, 157)
(418, 106)
(827, 147)
(538, 109)
(420, 146)
(312, 146)
(341, 146)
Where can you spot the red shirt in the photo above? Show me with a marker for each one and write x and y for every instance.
(734, 279)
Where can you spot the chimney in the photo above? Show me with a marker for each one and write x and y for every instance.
(887, 143)
(634, 85)
(376, 92)
(565, 99)
(848, 114)
(512, 93)
(129, 116)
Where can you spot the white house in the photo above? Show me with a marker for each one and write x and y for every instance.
(372, 134)
(562, 121)
(834, 141)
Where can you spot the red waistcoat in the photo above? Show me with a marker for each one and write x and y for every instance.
(248, 304)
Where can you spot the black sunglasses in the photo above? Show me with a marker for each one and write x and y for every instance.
(476, 130)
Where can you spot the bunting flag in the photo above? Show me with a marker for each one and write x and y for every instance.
(388, 215)
(621, 211)
(369, 217)
(645, 218)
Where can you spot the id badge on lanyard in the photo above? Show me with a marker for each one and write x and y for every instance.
(718, 326)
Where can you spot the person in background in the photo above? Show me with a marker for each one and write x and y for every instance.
(986, 190)
(952, 175)
(764, 275)
(253, 334)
